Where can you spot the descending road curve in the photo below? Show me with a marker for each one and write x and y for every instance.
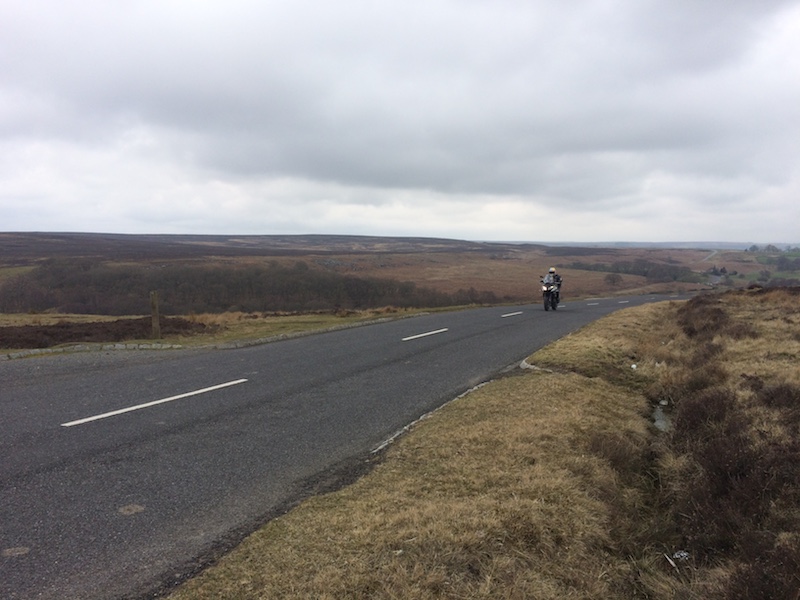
(122, 472)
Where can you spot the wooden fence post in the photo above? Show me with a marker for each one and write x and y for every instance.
(154, 313)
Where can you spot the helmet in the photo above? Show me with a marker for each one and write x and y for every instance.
(552, 269)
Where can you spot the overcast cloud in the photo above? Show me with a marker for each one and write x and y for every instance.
(527, 120)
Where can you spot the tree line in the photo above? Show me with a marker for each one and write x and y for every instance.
(98, 288)
(654, 272)
(784, 263)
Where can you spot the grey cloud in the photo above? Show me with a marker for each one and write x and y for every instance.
(580, 101)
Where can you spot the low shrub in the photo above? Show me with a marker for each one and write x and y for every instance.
(774, 573)
(782, 395)
(700, 318)
(697, 415)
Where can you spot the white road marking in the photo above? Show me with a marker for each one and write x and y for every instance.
(623, 302)
(130, 509)
(154, 403)
(421, 335)
(514, 314)
(593, 304)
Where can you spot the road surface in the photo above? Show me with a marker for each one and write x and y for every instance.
(125, 472)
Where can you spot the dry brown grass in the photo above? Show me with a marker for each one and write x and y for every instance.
(244, 327)
(513, 274)
(229, 327)
(17, 319)
(554, 483)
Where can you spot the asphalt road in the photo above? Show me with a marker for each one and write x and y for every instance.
(124, 472)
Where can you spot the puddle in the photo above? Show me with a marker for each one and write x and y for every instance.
(660, 419)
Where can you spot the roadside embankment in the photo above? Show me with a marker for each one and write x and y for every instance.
(554, 482)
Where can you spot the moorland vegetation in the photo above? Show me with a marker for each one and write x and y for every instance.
(113, 275)
(86, 287)
(58, 289)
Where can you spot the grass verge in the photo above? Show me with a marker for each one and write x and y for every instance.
(197, 330)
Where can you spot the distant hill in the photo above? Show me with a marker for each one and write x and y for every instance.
(114, 273)
(665, 245)
(16, 248)
(22, 247)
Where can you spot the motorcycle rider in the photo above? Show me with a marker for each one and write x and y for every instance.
(553, 277)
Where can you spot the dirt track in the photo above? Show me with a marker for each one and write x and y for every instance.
(47, 336)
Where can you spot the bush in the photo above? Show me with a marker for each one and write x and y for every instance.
(702, 318)
(785, 398)
(699, 319)
(117, 290)
(772, 575)
(697, 414)
(729, 494)
(782, 395)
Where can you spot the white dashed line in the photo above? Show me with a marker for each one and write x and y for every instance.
(421, 335)
(593, 304)
(514, 314)
(154, 403)
(623, 302)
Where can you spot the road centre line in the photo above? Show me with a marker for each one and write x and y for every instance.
(623, 302)
(153, 403)
(514, 314)
(593, 304)
(421, 335)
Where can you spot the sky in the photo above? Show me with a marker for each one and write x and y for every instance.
(496, 120)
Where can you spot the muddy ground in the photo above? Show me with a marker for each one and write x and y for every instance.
(47, 336)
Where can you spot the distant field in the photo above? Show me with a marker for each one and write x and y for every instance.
(460, 271)
(516, 271)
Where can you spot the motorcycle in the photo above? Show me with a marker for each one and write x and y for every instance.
(550, 294)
